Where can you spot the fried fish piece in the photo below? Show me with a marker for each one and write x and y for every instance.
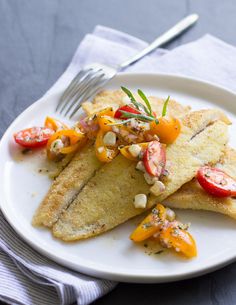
(66, 186)
(83, 166)
(193, 196)
(107, 199)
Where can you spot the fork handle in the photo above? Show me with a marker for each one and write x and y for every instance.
(176, 30)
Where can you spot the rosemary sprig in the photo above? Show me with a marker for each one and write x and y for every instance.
(146, 101)
(147, 113)
(164, 110)
(133, 100)
(131, 97)
(142, 117)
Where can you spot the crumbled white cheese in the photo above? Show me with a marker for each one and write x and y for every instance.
(170, 214)
(56, 146)
(110, 138)
(157, 188)
(125, 100)
(150, 179)
(100, 149)
(140, 201)
(146, 126)
(135, 150)
(140, 166)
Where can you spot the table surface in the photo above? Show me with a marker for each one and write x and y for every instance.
(37, 41)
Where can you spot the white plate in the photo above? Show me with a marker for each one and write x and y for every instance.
(113, 255)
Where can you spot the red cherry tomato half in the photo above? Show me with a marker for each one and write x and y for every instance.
(127, 108)
(154, 158)
(216, 182)
(33, 137)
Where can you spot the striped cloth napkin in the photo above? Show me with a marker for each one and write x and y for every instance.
(26, 277)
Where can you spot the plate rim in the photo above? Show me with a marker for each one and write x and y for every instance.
(99, 271)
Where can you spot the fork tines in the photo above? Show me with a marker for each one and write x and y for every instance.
(86, 83)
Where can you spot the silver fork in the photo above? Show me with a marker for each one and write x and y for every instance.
(93, 77)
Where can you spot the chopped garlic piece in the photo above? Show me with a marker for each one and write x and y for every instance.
(56, 146)
(100, 149)
(170, 214)
(110, 138)
(135, 150)
(150, 179)
(140, 201)
(115, 129)
(140, 166)
(157, 188)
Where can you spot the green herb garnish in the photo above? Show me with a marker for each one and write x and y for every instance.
(131, 97)
(146, 101)
(133, 100)
(142, 117)
(146, 110)
(164, 110)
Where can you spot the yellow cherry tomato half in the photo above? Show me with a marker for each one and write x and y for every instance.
(103, 153)
(150, 225)
(104, 118)
(74, 139)
(104, 122)
(178, 239)
(54, 124)
(74, 147)
(167, 129)
(106, 111)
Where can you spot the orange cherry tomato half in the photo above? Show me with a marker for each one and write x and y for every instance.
(127, 108)
(106, 111)
(33, 137)
(154, 158)
(152, 224)
(167, 129)
(178, 239)
(76, 140)
(103, 153)
(54, 124)
(216, 182)
(104, 122)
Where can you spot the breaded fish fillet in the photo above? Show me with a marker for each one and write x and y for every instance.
(192, 195)
(107, 199)
(66, 186)
(83, 166)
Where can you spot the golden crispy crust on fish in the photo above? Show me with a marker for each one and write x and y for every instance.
(107, 200)
(66, 186)
(117, 98)
(104, 202)
(192, 195)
